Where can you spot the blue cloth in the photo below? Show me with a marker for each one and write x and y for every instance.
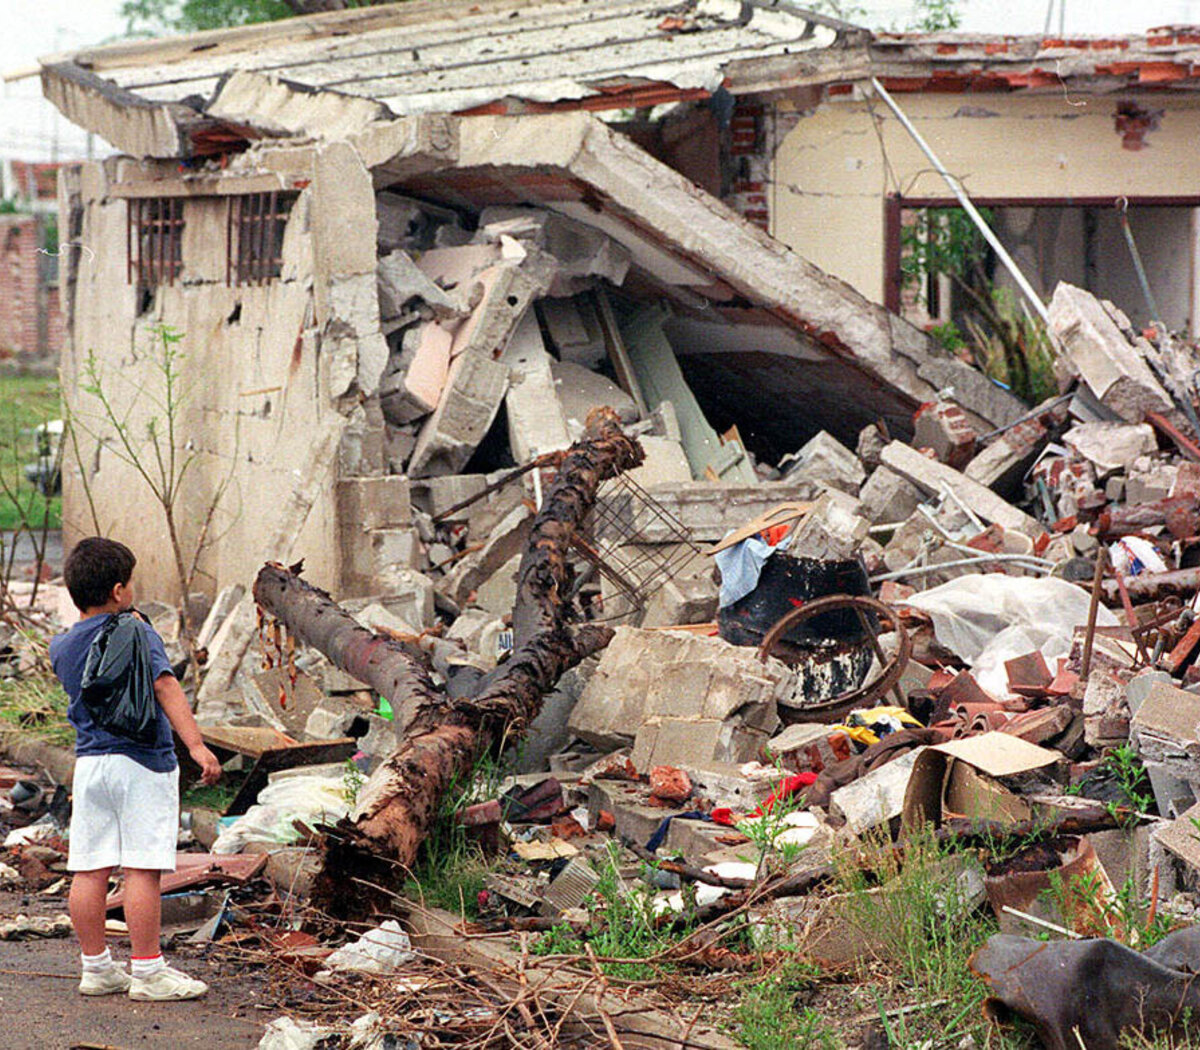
(68, 653)
(660, 833)
(742, 564)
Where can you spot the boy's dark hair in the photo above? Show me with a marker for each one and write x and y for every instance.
(94, 567)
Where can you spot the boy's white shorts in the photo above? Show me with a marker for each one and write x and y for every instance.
(122, 814)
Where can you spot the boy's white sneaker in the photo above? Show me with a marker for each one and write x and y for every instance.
(167, 985)
(105, 982)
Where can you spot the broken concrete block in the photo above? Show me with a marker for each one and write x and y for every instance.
(886, 497)
(413, 382)
(876, 797)
(683, 600)
(666, 463)
(870, 444)
(548, 732)
(400, 281)
(672, 741)
(408, 599)
(824, 459)
(829, 531)
(506, 541)
(498, 593)
(931, 477)
(574, 331)
(672, 675)
(332, 719)
(1115, 371)
(1149, 481)
(536, 423)
(1002, 465)
(582, 252)
(475, 386)
(374, 502)
(580, 390)
(507, 292)
(1105, 712)
(973, 390)
(1164, 730)
(809, 746)
(942, 427)
(1111, 446)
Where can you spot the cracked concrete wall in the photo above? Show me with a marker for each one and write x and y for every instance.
(830, 174)
(257, 388)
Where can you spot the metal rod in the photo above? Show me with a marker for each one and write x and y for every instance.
(958, 191)
(1140, 270)
(921, 570)
(1090, 637)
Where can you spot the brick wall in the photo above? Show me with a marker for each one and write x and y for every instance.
(30, 324)
(755, 131)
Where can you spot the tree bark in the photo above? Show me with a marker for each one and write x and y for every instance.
(440, 744)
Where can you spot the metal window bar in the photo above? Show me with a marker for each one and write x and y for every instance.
(636, 544)
(255, 224)
(153, 241)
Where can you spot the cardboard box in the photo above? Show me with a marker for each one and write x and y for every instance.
(960, 779)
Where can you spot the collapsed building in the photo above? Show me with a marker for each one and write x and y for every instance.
(377, 296)
(413, 249)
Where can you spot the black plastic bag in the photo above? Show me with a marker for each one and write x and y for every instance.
(118, 681)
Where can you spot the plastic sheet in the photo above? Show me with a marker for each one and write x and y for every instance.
(988, 618)
(381, 950)
(312, 798)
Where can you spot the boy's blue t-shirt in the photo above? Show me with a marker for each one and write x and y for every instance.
(68, 654)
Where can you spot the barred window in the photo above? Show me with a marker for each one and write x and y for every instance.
(154, 241)
(255, 224)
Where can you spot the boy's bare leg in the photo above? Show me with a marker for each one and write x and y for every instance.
(86, 904)
(143, 911)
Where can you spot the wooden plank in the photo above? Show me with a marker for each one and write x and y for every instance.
(622, 367)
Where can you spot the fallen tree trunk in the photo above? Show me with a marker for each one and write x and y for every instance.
(443, 739)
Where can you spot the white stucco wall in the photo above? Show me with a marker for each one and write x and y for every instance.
(254, 395)
(835, 166)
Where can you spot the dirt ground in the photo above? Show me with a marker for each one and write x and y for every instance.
(41, 1009)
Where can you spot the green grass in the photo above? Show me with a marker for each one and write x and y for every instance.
(772, 1014)
(36, 705)
(25, 403)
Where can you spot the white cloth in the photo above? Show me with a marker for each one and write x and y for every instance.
(122, 814)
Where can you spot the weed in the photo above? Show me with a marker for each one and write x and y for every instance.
(216, 796)
(770, 1015)
(625, 922)
(28, 403)
(1126, 767)
(451, 869)
(36, 704)
(352, 782)
(917, 909)
(1177, 1040)
(1088, 908)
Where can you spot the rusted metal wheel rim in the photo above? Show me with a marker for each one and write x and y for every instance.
(893, 668)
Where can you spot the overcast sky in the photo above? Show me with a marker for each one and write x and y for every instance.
(32, 129)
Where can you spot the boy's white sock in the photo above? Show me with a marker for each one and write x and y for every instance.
(143, 968)
(97, 963)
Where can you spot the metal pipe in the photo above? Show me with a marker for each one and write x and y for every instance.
(958, 191)
(922, 570)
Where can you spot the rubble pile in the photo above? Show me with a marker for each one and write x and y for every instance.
(963, 633)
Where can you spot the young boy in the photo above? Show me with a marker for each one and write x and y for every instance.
(125, 794)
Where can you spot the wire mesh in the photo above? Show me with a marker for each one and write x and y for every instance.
(636, 544)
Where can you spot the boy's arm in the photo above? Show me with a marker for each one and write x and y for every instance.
(172, 700)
